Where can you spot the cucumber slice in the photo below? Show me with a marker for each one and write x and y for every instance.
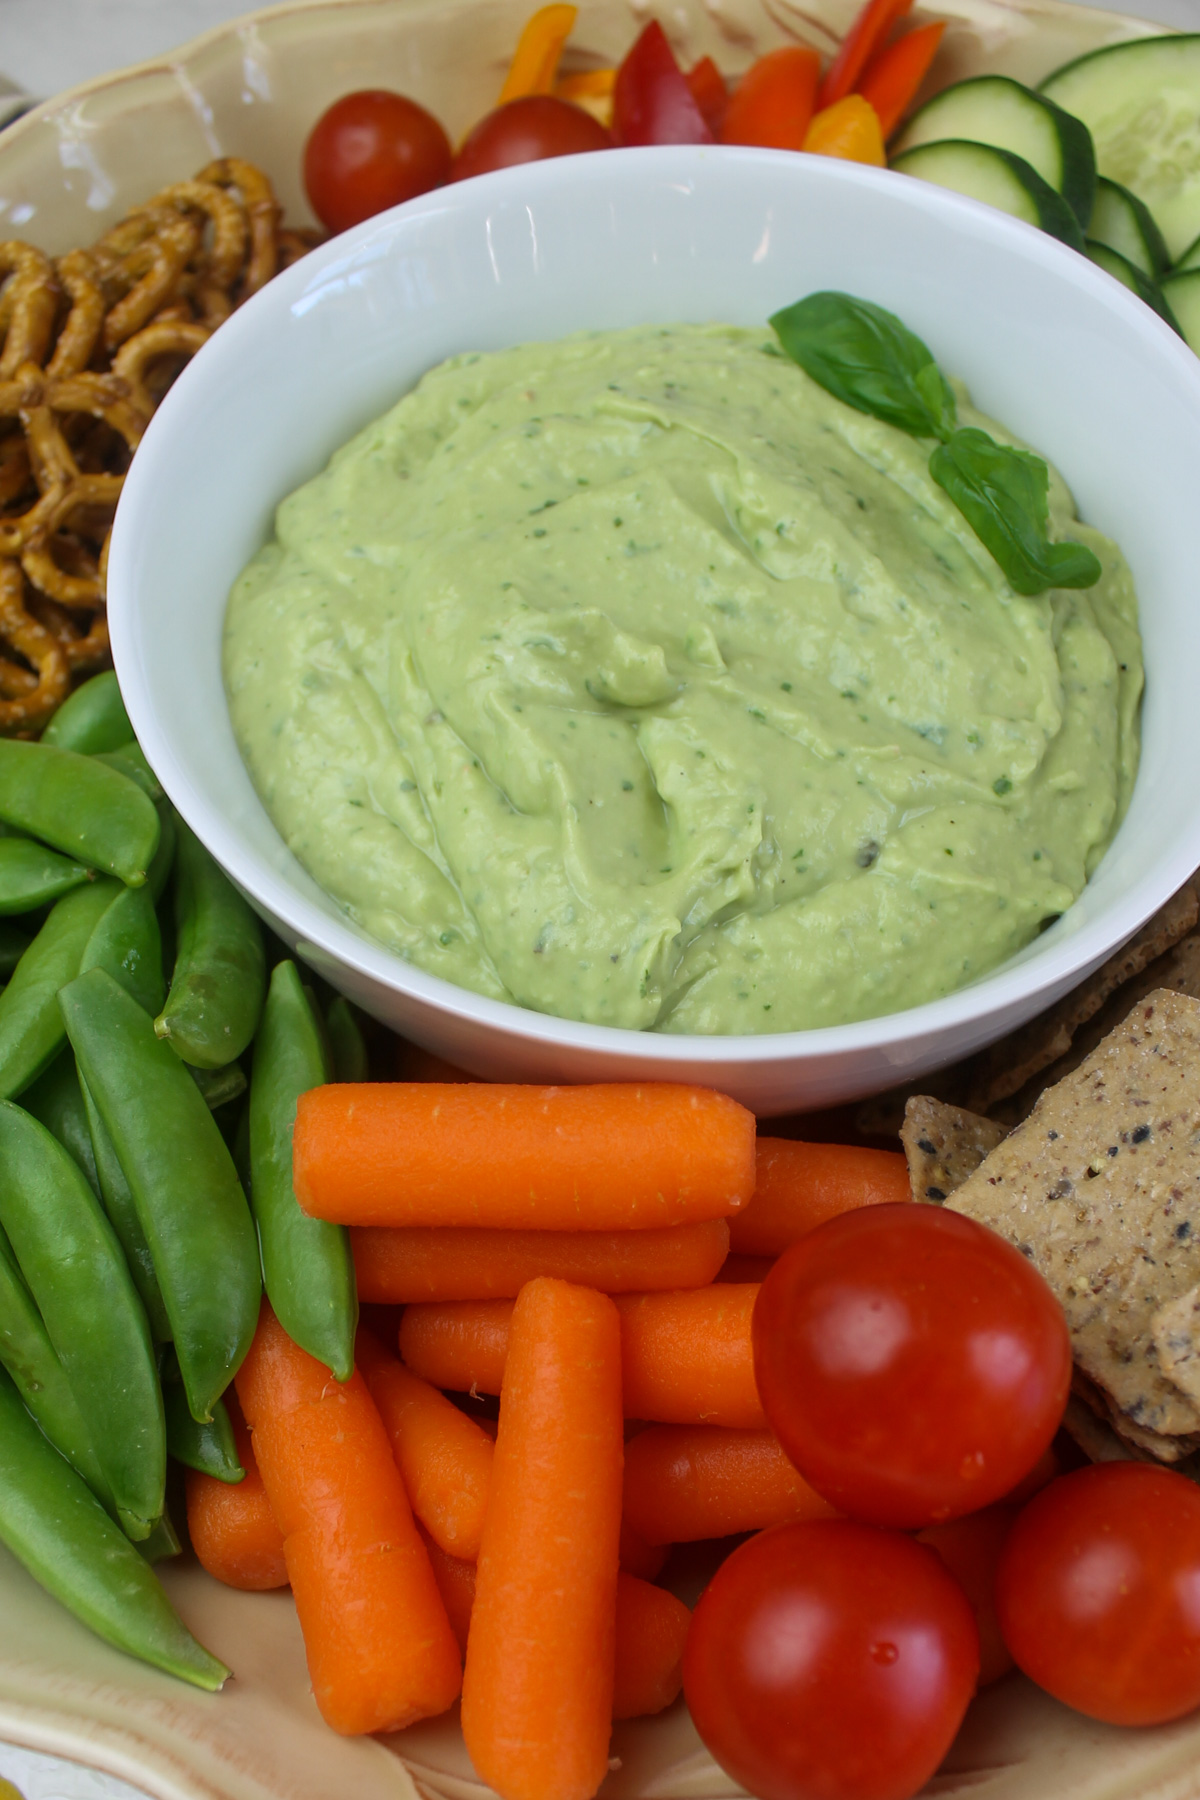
(1128, 273)
(992, 109)
(997, 177)
(1182, 294)
(1141, 103)
(1121, 221)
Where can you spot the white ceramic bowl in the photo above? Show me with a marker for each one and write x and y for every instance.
(1060, 352)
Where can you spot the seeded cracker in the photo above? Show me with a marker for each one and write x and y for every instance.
(1100, 1187)
(1005, 1067)
(944, 1144)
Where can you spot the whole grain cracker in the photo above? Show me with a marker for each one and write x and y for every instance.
(1100, 1188)
(944, 1144)
(1006, 1066)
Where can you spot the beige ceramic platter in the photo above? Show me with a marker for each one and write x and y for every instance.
(252, 89)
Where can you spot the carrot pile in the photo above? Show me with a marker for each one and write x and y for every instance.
(570, 1250)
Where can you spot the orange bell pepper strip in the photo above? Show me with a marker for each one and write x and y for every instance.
(707, 86)
(772, 104)
(892, 77)
(867, 32)
(535, 59)
(849, 128)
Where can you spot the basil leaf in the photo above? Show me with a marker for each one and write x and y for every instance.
(1002, 493)
(863, 355)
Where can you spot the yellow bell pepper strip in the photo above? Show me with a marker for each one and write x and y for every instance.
(593, 90)
(539, 47)
(849, 128)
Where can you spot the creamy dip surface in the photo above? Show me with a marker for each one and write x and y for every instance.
(636, 679)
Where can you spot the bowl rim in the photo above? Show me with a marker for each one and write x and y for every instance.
(990, 997)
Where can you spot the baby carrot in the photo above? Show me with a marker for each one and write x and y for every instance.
(399, 1264)
(538, 1686)
(686, 1358)
(799, 1186)
(231, 1525)
(652, 1628)
(611, 1157)
(380, 1650)
(444, 1457)
(460, 1346)
(684, 1482)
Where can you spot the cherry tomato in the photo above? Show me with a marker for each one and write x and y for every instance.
(913, 1364)
(372, 150)
(830, 1661)
(529, 130)
(970, 1549)
(1098, 1592)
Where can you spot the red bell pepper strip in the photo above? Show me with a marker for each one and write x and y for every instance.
(893, 75)
(772, 104)
(707, 87)
(867, 32)
(652, 103)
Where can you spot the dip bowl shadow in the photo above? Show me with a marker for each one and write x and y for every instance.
(1060, 352)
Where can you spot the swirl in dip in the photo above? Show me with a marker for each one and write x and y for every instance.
(636, 679)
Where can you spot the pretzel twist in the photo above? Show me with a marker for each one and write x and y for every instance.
(28, 710)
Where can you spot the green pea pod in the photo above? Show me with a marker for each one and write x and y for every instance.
(31, 1026)
(219, 1086)
(56, 1100)
(32, 876)
(162, 1542)
(209, 1448)
(75, 1270)
(77, 805)
(52, 1523)
(159, 872)
(92, 719)
(130, 759)
(128, 943)
(32, 1361)
(307, 1268)
(346, 1042)
(13, 944)
(184, 1185)
(115, 1192)
(217, 988)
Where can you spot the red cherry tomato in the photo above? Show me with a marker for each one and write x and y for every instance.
(529, 130)
(1098, 1592)
(913, 1364)
(970, 1548)
(830, 1661)
(372, 150)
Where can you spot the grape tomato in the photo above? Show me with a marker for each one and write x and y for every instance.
(830, 1661)
(912, 1363)
(529, 130)
(371, 150)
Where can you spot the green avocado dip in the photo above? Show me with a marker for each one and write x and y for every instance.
(636, 679)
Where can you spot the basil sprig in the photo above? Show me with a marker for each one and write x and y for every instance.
(863, 355)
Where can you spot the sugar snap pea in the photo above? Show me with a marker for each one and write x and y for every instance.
(346, 1043)
(32, 1361)
(115, 1192)
(130, 759)
(184, 1185)
(52, 1523)
(32, 876)
(56, 1099)
(211, 1447)
(31, 1026)
(219, 979)
(127, 942)
(76, 1272)
(92, 719)
(307, 1268)
(162, 1542)
(78, 805)
(13, 944)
